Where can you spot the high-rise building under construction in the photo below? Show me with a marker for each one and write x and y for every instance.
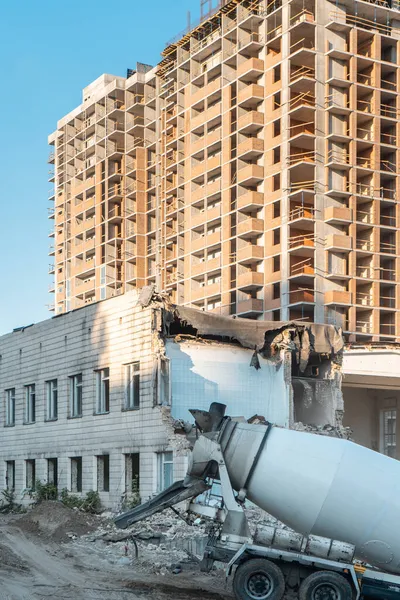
(252, 172)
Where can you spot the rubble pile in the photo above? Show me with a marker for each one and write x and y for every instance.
(328, 430)
(51, 520)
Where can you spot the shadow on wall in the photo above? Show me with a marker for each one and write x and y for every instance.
(202, 373)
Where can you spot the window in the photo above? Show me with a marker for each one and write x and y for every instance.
(102, 391)
(132, 472)
(276, 100)
(277, 236)
(30, 404)
(276, 155)
(277, 73)
(75, 395)
(76, 474)
(276, 315)
(10, 407)
(276, 291)
(51, 400)
(10, 474)
(52, 471)
(132, 386)
(164, 381)
(277, 127)
(276, 183)
(30, 471)
(388, 432)
(165, 470)
(276, 209)
(276, 263)
(103, 473)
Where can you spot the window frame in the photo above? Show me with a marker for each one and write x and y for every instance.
(132, 385)
(162, 481)
(75, 398)
(383, 445)
(52, 400)
(30, 404)
(9, 401)
(102, 391)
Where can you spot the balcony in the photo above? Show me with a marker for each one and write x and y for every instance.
(337, 297)
(81, 287)
(250, 254)
(250, 122)
(250, 70)
(206, 266)
(205, 216)
(250, 201)
(300, 296)
(250, 307)
(209, 190)
(205, 291)
(337, 215)
(207, 240)
(302, 269)
(303, 241)
(250, 148)
(251, 96)
(250, 228)
(341, 243)
(250, 280)
(250, 175)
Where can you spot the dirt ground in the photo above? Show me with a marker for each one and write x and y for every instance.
(43, 555)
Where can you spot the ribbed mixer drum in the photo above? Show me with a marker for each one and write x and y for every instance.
(323, 486)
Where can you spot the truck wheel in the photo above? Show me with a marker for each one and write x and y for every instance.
(258, 579)
(325, 585)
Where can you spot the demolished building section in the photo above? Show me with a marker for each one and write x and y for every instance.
(96, 398)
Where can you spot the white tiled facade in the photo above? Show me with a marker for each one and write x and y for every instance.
(109, 335)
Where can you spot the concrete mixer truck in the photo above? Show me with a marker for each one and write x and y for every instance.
(340, 500)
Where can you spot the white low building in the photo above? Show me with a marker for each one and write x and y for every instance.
(87, 397)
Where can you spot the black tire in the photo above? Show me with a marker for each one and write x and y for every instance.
(258, 579)
(325, 585)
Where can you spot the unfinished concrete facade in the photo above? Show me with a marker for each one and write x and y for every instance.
(95, 399)
(253, 172)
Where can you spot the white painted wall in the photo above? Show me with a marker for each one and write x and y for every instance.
(106, 334)
(203, 372)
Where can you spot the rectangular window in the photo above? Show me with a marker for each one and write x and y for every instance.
(164, 381)
(102, 391)
(276, 263)
(277, 127)
(75, 395)
(165, 470)
(276, 100)
(276, 291)
(52, 471)
(30, 470)
(103, 473)
(277, 236)
(277, 73)
(276, 183)
(388, 432)
(276, 155)
(51, 400)
(10, 407)
(132, 385)
(132, 462)
(30, 404)
(276, 209)
(10, 474)
(76, 474)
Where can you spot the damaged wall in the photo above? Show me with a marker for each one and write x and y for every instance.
(205, 372)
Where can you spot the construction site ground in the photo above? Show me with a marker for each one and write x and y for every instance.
(59, 553)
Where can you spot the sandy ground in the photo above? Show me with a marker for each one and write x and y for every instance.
(36, 565)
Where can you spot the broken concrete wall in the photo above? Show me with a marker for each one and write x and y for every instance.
(205, 372)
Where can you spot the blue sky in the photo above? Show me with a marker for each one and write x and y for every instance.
(49, 51)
